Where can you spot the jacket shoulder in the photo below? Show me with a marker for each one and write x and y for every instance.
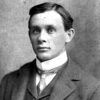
(87, 85)
(12, 76)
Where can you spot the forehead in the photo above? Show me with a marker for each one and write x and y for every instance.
(48, 17)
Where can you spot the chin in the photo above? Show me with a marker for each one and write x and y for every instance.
(44, 57)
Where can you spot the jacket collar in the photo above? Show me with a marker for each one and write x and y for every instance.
(65, 83)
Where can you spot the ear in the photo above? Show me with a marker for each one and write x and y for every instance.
(69, 34)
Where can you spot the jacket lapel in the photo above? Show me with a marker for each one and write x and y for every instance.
(24, 82)
(65, 84)
(62, 89)
(21, 84)
(31, 87)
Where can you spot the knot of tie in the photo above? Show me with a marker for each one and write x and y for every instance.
(47, 72)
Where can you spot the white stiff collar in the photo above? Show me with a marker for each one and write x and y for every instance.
(53, 63)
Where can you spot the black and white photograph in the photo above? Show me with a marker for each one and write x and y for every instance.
(49, 50)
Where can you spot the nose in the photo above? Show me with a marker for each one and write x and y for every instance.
(43, 36)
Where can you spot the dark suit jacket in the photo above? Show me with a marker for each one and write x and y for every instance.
(70, 83)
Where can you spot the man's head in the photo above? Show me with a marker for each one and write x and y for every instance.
(50, 28)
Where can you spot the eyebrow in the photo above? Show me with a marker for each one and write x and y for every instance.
(51, 26)
(34, 26)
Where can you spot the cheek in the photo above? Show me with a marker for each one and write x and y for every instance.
(33, 40)
(58, 42)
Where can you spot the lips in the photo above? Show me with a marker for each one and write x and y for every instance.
(43, 49)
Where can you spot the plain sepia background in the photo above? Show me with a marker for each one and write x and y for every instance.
(15, 47)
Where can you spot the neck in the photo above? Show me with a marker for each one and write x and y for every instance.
(53, 63)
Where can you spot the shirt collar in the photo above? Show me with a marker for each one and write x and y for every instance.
(53, 63)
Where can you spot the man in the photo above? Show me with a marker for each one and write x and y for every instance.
(52, 75)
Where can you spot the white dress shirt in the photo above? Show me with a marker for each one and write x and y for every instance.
(49, 65)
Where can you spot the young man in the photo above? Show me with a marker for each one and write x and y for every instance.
(52, 75)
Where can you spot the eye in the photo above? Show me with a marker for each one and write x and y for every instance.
(50, 29)
(35, 30)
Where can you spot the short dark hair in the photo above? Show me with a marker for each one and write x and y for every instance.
(47, 6)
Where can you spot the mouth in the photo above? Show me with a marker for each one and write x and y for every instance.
(42, 49)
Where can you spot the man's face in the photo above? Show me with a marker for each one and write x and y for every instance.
(47, 35)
